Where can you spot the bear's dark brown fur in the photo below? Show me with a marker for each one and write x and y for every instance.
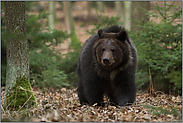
(107, 65)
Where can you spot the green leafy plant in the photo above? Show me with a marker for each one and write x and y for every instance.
(69, 64)
(54, 78)
(44, 62)
(159, 48)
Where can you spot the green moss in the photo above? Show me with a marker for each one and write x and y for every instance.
(18, 97)
(160, 110)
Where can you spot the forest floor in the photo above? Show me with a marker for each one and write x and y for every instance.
(62, 105)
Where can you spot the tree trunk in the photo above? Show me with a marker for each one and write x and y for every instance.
(138, 14)
(17, 47)
(68, 20)
(100, 6)
(88, 8)
(51, 16)
(127, 15)
(119, 6)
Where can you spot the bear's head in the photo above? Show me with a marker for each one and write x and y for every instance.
(111, 50)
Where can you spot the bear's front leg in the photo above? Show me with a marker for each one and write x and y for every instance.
(93, 89)
(125, 94)
(81, 94)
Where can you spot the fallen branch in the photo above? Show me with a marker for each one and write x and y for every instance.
(25, 103)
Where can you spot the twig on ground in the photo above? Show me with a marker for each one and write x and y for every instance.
(25, 103)
(160, 92)
(2, 108)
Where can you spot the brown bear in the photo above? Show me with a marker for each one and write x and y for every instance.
(107, 65)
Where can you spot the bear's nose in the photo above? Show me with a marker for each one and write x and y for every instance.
(106, 61)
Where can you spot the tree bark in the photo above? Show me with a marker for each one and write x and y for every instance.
(138, 14)
(51, 16)
(17, 47)
(127, 15)
(68, 20)
(100, 6)
(88, 8)
(119, 6)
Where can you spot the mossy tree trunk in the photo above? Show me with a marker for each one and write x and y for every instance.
(17, 49)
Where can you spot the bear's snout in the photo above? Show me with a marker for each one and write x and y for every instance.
(106, 61)
(107, 58)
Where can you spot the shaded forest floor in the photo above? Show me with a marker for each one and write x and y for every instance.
(62, 105)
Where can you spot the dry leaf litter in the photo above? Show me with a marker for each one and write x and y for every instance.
(63, 105)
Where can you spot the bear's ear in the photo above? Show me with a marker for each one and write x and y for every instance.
(100, 33)
(122, 35)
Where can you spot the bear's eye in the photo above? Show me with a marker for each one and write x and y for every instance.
(103, 49)
(112, 50)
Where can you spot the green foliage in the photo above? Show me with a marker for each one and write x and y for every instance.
(44, 62)
(68, 64)
(159, 48)
(39, 35)
(69, 61)
(175, 77)
(50, 69)
(21, 95)
(54, 78)
(104, 21)
(41, 62)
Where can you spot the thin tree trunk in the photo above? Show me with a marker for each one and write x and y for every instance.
(128, 15)
(68, 20)
(100, 6)
(139, 14)
(88, 9)
(119, 5)
(51, 16)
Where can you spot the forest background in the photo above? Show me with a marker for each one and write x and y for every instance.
(54, 44)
